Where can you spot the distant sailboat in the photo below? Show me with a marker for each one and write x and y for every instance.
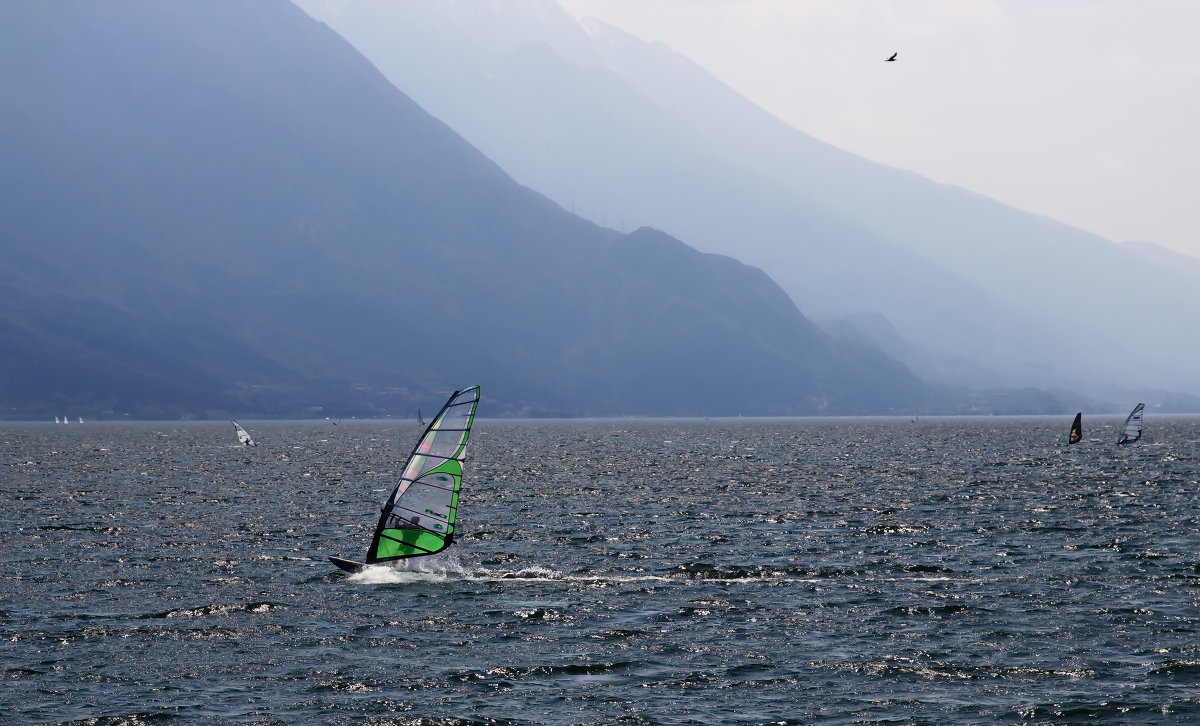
(419, 516)
(420, 420)
(56, 420)
(1132, 430)
(81, 419)
(244, 437)
(66, 420)
(1076, 429)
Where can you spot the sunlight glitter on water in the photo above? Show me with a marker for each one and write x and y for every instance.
(669, 572)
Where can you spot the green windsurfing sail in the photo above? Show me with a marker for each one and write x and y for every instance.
(419, 516)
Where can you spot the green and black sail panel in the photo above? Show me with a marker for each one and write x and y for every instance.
(419, 516)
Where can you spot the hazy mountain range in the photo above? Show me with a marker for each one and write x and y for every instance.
(628, 133)
(222, 207)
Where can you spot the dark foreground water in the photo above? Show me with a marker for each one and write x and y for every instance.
(686, 572)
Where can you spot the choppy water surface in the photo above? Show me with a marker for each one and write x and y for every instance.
(739, 572)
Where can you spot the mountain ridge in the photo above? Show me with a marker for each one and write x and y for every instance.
(1019, 297)
(223, 208)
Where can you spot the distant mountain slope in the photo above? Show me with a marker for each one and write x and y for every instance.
(629, 132)
(222, 207)
(1184, 268)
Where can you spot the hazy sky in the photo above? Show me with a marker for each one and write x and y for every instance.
(1086, 111)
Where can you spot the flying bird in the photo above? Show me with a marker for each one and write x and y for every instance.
(892, 58)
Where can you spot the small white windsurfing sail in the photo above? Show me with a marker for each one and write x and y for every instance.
(1076, 429)
(81, 419)
(56, 420)
(244, 437)
(1132, 430)
(419, 516)
(66, 420)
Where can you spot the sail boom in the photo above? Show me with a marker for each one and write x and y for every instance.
(411, 526)
(397, 539)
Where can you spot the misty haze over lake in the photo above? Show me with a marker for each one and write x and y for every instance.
(226, 210)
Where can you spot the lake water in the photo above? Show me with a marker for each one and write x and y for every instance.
(843, 571)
